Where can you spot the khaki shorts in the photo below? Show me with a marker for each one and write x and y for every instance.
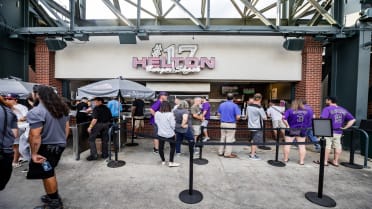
(334, 142)
(278, 124)
(139, 122)
(196, 129)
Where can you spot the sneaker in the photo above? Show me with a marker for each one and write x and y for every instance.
(25, 170)
(155, 151)
(46, 199)
(173, 164)
(91, 158)
(178, 154)
(205, 139)
(163, 163)
(104, 156)
(140, 137)
(255, 157)
(16, 165)
(22, 160)
(264, 147)
(53, 204)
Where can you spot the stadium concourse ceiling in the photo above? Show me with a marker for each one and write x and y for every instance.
(72, 19)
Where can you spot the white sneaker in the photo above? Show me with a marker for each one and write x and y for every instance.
(178, 154)
(173, 164)
(205, 139)
(163, 163)
(16, 165)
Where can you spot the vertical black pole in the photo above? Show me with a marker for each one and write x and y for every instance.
(352, 150)
(321, 167)
(191, 170)
(116, 145)
(110, 138)
(277, 145)
(133, 122)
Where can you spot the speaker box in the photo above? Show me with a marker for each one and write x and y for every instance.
(296, 44)
(55, 44)
(127, 38)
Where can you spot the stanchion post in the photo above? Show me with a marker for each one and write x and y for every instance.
(191, 196)
(351, 163)
(276, 162)
(132, 144)
(200, 160)
(318, 197)
(115, 163)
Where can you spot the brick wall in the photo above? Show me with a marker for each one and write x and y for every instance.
(45, 65)
(309, 88)
(31, 75)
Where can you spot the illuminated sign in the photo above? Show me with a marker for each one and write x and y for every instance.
(170, 63)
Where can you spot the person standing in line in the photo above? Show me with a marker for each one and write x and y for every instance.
(99, 125)
(81, 111)
(276, 113)
(20, 111)
(229, 114)
(138, 116)
(206, 110)
(165, 120)
(296, 118)
(309, 126)
(183, 126)
(49, 129)
(163, 96)
(256, 116)
(8, 133)
(341, 119)
(115, 108)
(176, 103)
(197, 117)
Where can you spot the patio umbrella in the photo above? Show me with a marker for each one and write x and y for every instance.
(16, 87)
(114, 87)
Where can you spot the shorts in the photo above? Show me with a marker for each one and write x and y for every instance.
(205, 124)
(155, 130)
(278, 124)
(196, 130)
(53, 153)
(6, 168)
(334, 142)
(16, 141)
(257, 136)
(139, 122)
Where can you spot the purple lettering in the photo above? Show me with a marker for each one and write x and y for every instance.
(164, 63)
(154, 61)
(177, 61)
(191, 62)
(136, 62)
(205, 62)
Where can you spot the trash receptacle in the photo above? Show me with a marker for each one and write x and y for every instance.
(366, 125)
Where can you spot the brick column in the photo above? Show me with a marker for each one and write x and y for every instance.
(45, 65)
(309, 88)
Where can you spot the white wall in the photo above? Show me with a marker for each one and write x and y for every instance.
(238, 58)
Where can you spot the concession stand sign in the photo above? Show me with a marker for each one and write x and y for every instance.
(174, 59)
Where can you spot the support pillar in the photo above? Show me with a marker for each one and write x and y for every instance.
(309, 88)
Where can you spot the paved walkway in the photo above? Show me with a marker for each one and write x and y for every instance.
(225, 183)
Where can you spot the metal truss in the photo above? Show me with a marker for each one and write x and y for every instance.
(293, 17)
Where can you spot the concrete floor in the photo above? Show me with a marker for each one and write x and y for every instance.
(225, 183)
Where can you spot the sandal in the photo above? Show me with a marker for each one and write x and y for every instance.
(318, 162)
(332, 163)
(286, 161)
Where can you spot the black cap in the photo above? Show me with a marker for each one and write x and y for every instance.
(98, 99)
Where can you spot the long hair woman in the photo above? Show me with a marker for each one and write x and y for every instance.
(296, 118)
(183, 126)
(166, 123)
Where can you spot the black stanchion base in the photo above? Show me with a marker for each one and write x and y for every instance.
(352, 165)
(115, 163)
(276, 163)
(325, 201)
(200, 161)
(131, 144)
(195, 197)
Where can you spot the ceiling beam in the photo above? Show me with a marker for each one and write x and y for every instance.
(267, 8)
(237, 8)
(117, 5)
(324, 13)
(143, 9)
(317, 17)
(43, 14)
(59, 21)
(158, 7)
(202, 10)
(117, 13)
(192, 17)
(259, 14)
(58, 8)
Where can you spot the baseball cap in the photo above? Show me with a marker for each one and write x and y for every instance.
(163, 93)
(11, 96)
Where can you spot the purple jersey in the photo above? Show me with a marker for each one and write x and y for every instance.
(155, 107)
(299, 118)
(338, 115)
(311, 112)
(206, 107)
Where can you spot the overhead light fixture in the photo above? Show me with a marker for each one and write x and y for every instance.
(143, 36)
(55, 44)
(294, 44)
(81, 36)
(127, 38)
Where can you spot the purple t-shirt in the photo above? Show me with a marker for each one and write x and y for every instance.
(299, 118)
(206, 107)
(338, 115)
(311, 112)
(155, 107)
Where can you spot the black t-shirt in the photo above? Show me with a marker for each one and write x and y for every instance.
(139, 104)
(81, 117)
(102, 113)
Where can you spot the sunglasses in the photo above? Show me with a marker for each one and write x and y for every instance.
(9, 99)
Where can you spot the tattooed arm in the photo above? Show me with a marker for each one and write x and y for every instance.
(35, 141)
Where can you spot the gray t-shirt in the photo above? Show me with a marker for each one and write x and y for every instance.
(256, 115)
(53, 128)
(6, 142)
(178, 113)
(166, 123)
(196, 110)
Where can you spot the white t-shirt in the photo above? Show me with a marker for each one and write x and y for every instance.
(275, 112)
(20, 111)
